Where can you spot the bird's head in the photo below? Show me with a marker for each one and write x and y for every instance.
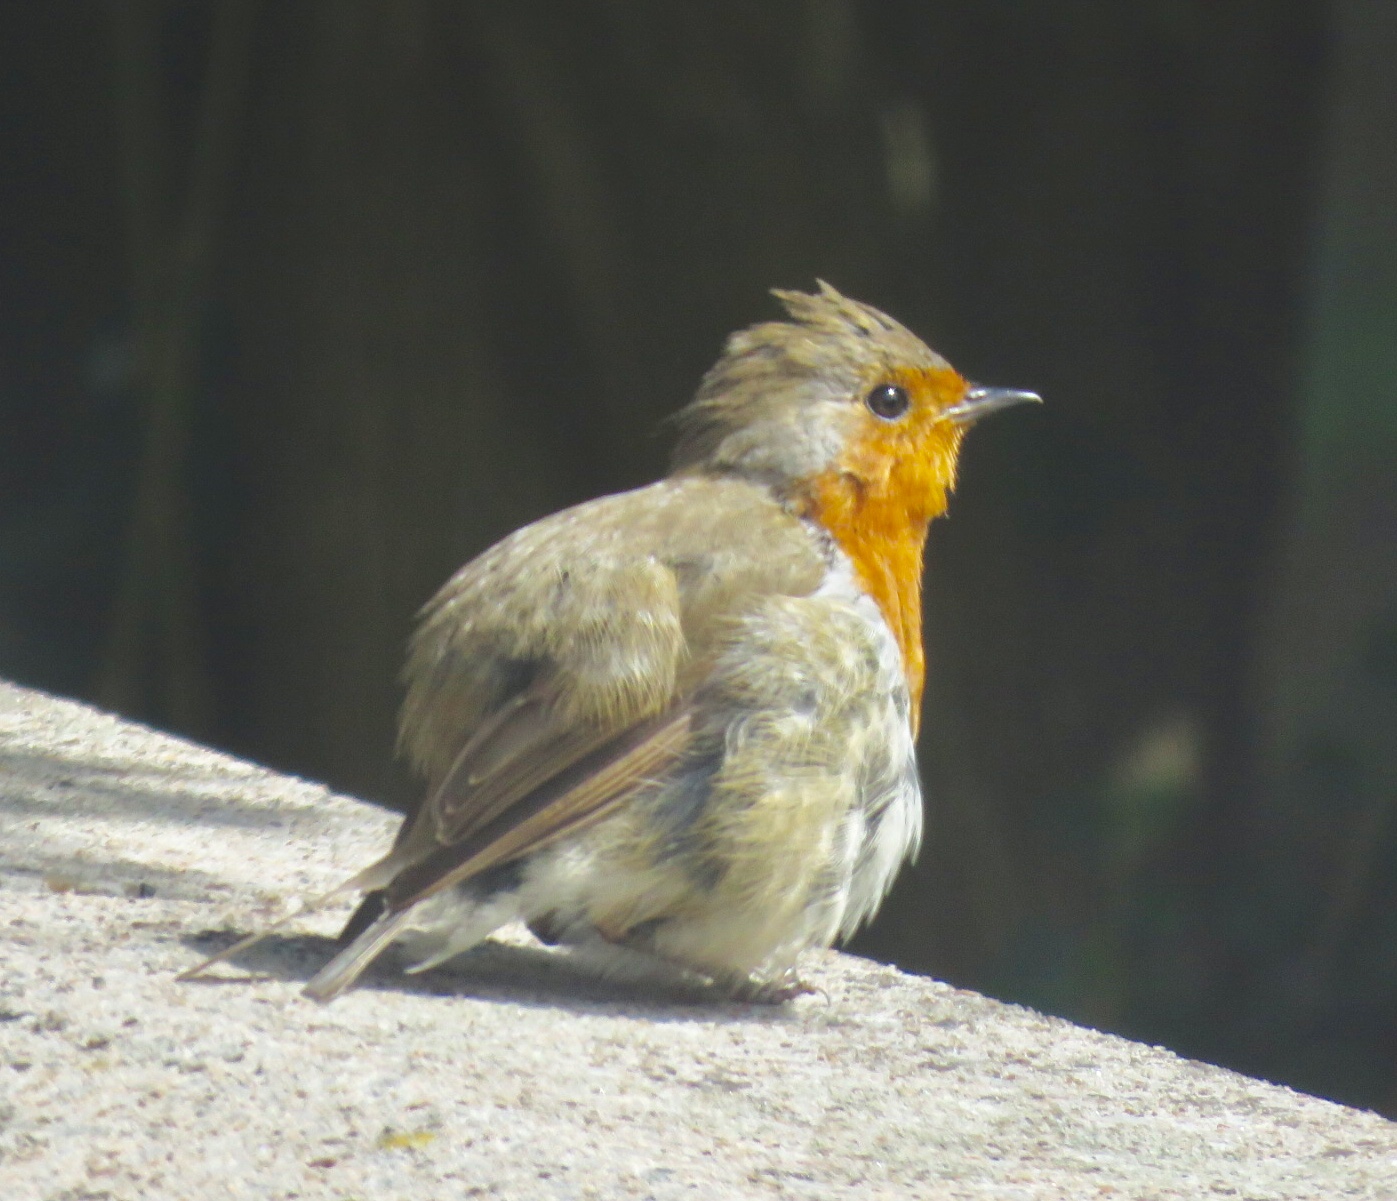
(839, 406)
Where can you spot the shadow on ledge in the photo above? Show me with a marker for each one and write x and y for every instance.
(537, 977)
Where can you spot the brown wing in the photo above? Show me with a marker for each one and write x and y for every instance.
(583, 793)
(525, 777)
(504, 762)
(608, 610)
(572, 632)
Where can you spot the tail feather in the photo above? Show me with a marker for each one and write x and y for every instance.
(346, 967)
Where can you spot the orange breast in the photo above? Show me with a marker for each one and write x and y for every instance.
(887, 559)
(876, 504)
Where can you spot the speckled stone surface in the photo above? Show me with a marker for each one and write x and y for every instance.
(125, 855)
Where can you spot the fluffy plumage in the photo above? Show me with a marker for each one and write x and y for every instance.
(680, 720)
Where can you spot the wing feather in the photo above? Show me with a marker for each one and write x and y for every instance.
(521, 755)
(569, 800)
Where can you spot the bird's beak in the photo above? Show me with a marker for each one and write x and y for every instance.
(979, 400)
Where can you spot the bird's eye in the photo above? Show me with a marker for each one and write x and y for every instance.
(887, 401)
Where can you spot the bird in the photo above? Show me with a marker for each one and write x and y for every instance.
(678, 724)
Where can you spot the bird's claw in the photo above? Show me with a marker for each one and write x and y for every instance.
(772, 992)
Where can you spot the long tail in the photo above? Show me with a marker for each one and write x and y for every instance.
(346, 967)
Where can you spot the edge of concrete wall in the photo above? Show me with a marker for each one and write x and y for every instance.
(125, 854)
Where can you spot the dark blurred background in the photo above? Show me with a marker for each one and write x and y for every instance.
(304, 303)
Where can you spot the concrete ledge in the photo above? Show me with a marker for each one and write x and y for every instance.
(514, 1075)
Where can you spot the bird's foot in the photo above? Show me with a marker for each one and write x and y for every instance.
(770, 992)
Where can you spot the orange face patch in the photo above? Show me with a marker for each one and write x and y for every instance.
(876, 501)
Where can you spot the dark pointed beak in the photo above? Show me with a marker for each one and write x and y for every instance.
(979, 401)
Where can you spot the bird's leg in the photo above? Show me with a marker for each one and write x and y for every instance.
(784, 988)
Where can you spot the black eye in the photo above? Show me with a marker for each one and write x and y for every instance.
(887, 401)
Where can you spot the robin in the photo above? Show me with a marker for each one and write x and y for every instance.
(680, 721)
